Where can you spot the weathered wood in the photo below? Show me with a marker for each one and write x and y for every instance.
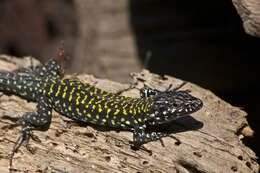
(210, 139)
(249, 11)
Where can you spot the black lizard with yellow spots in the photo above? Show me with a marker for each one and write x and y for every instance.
(80, 101)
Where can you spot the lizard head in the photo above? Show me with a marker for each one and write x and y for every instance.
(170, 105)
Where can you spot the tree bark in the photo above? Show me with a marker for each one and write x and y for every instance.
(210, 139)
(249, 11)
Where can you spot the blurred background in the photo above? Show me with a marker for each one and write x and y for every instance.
(198, 41)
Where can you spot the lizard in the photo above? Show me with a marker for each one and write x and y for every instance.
(47, 86)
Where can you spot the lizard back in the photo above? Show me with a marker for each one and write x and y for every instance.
(86, 103)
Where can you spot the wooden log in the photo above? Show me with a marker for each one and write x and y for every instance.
(249, 11)
(210, 139)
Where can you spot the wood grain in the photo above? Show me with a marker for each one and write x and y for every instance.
(249, 11)
(210, 138)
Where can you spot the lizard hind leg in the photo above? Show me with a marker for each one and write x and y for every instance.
(29, 70)
(147, 92)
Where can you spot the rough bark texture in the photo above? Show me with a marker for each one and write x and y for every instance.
(249, 11)
(210, 139)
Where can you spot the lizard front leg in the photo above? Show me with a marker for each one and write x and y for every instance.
(39, 120)
(141, 136)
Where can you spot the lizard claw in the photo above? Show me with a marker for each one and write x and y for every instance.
(25, 136)
(35, 138)
(178, 142)
(161, 141)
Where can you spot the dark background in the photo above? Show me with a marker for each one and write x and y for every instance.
(198, 41)
(207, 45)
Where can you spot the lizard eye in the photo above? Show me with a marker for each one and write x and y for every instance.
(176, 103)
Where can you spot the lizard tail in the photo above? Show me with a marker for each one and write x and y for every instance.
(13, 83)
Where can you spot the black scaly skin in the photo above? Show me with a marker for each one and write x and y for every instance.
(80, 101)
